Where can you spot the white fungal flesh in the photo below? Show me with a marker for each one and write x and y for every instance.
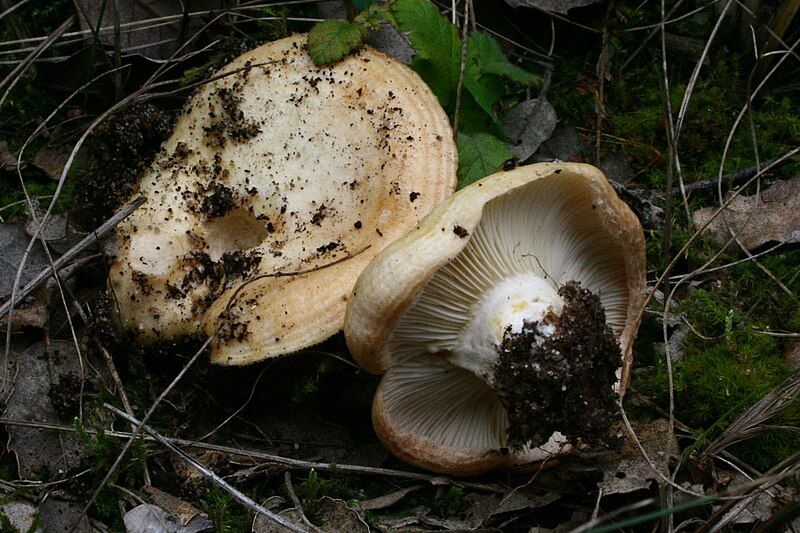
(528, 243)
(507, 305)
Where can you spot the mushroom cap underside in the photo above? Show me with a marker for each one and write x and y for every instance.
(279, 183)
(562, 222)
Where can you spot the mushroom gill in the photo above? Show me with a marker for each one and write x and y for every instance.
(507, 309)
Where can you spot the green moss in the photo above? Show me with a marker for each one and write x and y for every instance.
(224, 512)
(451, 503)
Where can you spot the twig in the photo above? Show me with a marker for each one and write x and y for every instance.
(462, 67)
(16, 74)
(602, 69)
(295, 464)
(71, 254)
(209, 474)
(112, 369)
(732, 179)
(287, 480)
(140, 425)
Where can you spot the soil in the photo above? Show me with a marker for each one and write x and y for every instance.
(563, 382)
(122, 147)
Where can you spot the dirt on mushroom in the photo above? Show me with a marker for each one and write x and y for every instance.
(561, 382)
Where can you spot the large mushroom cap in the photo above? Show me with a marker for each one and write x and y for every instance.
(431, 310)
(279, 167)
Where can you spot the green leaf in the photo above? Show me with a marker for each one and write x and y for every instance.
(484, 72)
(485, 51)
(438, 46)
(479, 154)
(331, 40)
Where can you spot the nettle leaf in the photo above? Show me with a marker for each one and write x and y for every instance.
(479, 154)
(438, 46)
(331, 40)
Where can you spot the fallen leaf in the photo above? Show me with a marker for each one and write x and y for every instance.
(31, 313)
(774, 215)
(792, 356)
(576, 519)
(528, 125)
(54, 230)
(21, 515)
(626, 470)
(556, 6)
(334, 514)
(8, 161)
(149, 518)
(644, 202)
(483, 507)
(565, 144)
(180, 509)
(382, 502)
(57, 513)
(38, 450)
(51, 160)
(391, 42)
(13, 242)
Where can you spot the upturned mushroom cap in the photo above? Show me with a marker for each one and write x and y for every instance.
(431, 309)
(279, 167)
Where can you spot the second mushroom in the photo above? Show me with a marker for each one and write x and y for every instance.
(504, 322)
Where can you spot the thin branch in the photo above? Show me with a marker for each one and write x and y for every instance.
(209, 474)
(90, 240)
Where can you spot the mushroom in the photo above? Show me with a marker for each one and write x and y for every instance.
(503, 323)
(280, 182)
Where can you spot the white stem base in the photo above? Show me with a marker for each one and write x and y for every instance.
(511, 303)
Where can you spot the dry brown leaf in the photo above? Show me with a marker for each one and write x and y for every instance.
(774, 215)
(39, 450)
(627, 470)
(382, 502)
(180, 509)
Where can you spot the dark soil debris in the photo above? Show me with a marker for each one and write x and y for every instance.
(460, 231)
(563, 382)
(122, 147)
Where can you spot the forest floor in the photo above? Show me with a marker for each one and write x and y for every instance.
(683, 104)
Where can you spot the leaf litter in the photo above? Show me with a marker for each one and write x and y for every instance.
(38, 371)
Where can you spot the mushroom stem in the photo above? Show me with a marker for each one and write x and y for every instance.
(558, 373)
(507, 307)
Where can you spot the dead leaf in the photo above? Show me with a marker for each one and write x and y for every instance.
(528, 125)
(334, 514)
(37, 450)
(565, 144)
(57, 513)
(627, 470)
(13, 242)
(774, 215)
(645, 203)
(21, 514)
(556, 6)
(51, 160)
(148, 518)
(483, 507)
(54, 230)
(792, 356)
(180, 509)
(391, 42)
(382, 502)
(8, 161)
